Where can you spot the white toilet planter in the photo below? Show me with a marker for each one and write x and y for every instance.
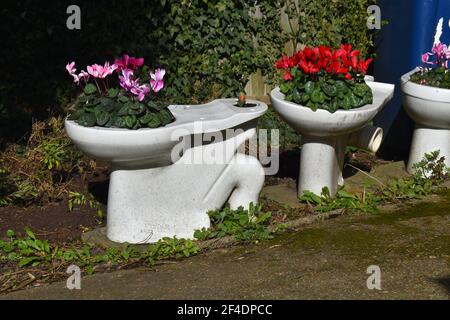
(325, 136)
(154, 195)
(429, 107)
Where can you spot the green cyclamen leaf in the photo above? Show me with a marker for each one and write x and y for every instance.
(90, 89)
(130, 121)
(165, 116)
(112, 93)
(329, 89)
(309, 87)
(120, 122)
(123, 111)
(124, 99)
(87, 119)
(102, 117)
(154, 121)
(136, 109)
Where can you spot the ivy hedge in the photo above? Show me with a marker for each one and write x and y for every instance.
(208, 47)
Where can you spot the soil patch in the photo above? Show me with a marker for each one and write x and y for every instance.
(53, 221)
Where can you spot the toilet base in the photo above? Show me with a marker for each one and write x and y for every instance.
(426, 140)
(146, 205)
(321, 164)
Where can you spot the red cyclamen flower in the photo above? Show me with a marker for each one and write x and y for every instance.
(128, 62)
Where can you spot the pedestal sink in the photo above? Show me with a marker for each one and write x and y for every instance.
(325, 136)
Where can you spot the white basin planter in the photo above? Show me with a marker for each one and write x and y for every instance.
(152, 196)
(429, 107)
(325, 136)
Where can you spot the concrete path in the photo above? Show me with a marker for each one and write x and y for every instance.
(325, 261)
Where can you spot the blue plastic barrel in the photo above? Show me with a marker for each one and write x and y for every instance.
(399, 46)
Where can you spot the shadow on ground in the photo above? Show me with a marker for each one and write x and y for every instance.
(445, 282)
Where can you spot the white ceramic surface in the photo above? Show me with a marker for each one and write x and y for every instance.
(325, 136)
(130, 148)
(429, 107)
(322, 123)
(150, 197)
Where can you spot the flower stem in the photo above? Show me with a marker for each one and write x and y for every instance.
(98, 87)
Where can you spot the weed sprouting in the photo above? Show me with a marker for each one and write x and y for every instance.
(245, 225)
(429, 173)
(77, 199)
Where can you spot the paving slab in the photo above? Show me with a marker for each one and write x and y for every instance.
(328, 260)
(380, 175)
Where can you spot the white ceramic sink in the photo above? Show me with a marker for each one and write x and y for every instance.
(325, 136)
(429, 107)
(322, 123)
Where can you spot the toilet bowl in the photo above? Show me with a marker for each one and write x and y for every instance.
(164, 180)
(429, 107)
(325, 136)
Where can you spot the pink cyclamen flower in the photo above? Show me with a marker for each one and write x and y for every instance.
(440, 50)
(140, 91)
(426, 58)
(70, 67)
(132, 85)
(83, 75)
(127, 62)
(98, 71)
(157, 82)
(126, 80)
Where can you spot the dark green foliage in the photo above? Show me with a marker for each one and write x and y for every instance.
(31, 251)
(326, 93)
(435, 77)
(209, 48)
(432, 168)
(430, 172)
(116, 110)
(244, 225)
(343, 200)
(331, 23)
